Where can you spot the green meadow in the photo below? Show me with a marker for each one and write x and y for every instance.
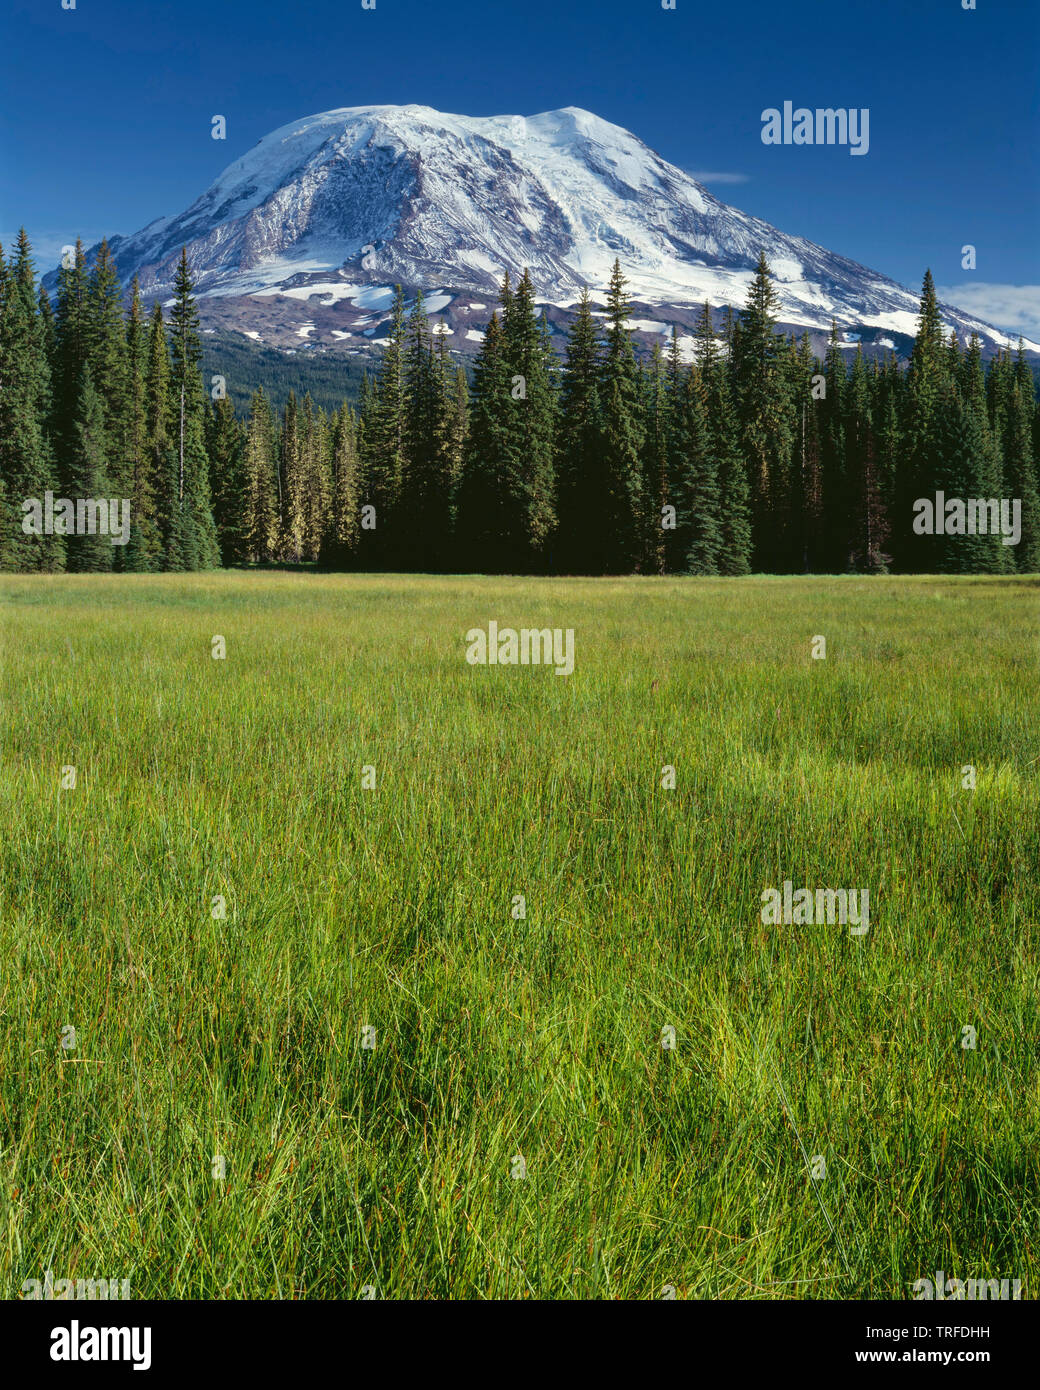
(415, 1084)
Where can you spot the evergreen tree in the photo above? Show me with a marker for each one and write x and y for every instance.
(766, 426)
(533, 473)
(230, 481)
(160, 458)
(425, 510)
(48, 328)
(658, 406)
(262, 523)
(343, 532)
(106, 354)
(290, 484)
(317, 478)
(71, 350)
(192, 540)
(488, 490)
(451, 444)
(89, 552)
(886, 390)
(805, 470)
(868, 516)
(365, 552)
(834, 468)
(137, 472)
(384, 445)
(962, 465)
(579, 450)
(618, 546)
(529, 412)
(923, 430)
(953, 356)
(26, 462)
(694, 480)
(1020, 480)
(982, 467)
(999, 381)
(735, 539)
(787, 479)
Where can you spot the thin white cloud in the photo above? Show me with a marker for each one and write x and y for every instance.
(709, 177)
(1014, 308)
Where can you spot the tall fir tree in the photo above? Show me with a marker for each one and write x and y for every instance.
(657, 406)
(981, 455)
(887, 391)
(619, 543)
(489, 490)
(529, 414)
(868, 525)
(579, 448)
(71, 350)
(451, 444)
(384, 446)
(834, 465)
(106, 354)
(734, 488)
(805, 470)
(316, 464)
(363, 554)
(262, 520)
(425, 509)
(290, 483)
(26, 461)
(229, 482)
(160, 454)
(694, 480)
(1020, 480)
(90, 551)
(145, 544)
(923, 432)
(339, 550)
(765, 414)
(48, 328)
(962, 448)
(192, 542)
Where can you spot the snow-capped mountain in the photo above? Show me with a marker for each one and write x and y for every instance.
(302, 238)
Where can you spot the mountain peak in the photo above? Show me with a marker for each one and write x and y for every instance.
(383, 194)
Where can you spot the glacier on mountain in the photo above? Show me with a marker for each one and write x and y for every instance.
(345, 204)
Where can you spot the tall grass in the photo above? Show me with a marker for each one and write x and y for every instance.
(499, 1038)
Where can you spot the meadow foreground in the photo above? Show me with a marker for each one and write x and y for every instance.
(510, 1022)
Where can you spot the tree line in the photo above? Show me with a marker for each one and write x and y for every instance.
(746, 454)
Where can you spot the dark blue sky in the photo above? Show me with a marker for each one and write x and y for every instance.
(106, 108)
